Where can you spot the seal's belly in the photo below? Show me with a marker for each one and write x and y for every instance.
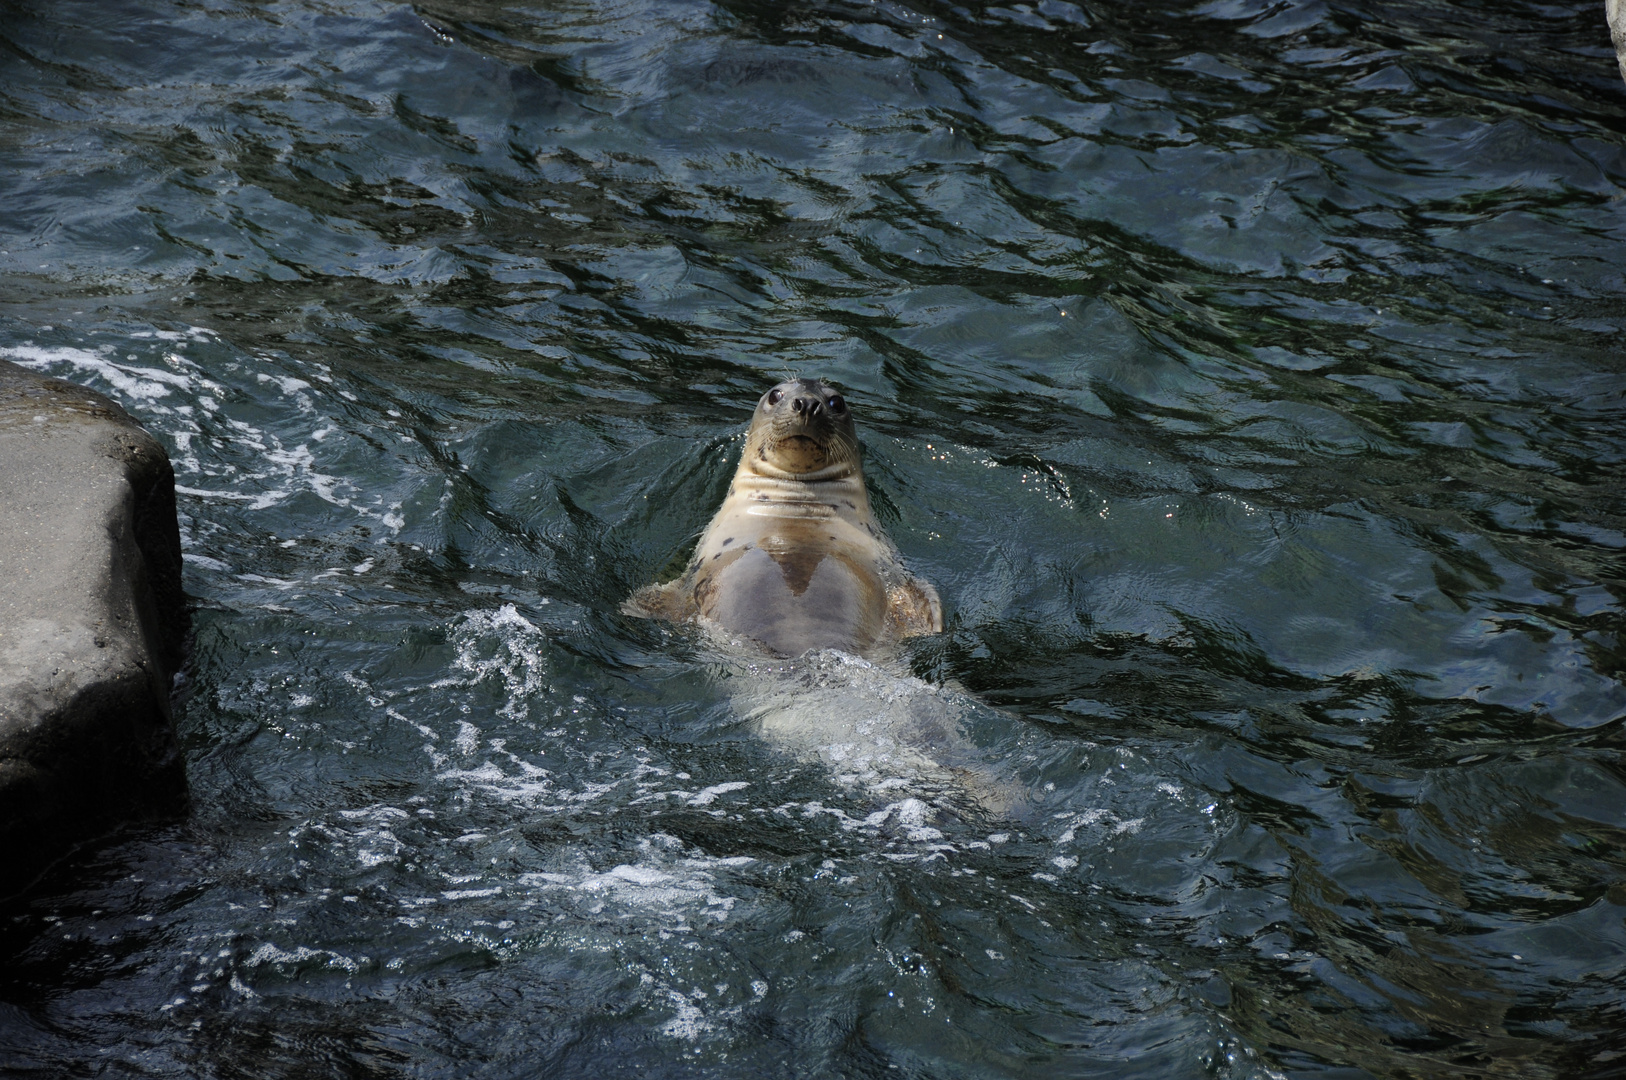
(793, 599)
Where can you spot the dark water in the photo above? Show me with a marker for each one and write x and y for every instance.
(1247, 375)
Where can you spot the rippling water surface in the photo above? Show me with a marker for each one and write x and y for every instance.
(1246, 374)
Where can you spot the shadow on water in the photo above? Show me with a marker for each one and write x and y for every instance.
(1245, 376)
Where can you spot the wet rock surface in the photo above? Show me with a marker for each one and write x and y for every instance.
(92, 622)
(1617, 29)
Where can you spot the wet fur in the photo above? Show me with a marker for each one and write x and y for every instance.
(793, 559)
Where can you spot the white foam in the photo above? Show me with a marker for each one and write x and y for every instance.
(876, 729)
(290, 387)
(255, 502)
(707, 796)
(271, 954)
(280, 470)
(379, 813)
(517, 658)
(531, 787)
(689, 1023)
(141, 384)
(657, 886)
(638, 875)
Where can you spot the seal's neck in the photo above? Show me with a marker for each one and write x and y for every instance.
(834, 473)
(836, 491)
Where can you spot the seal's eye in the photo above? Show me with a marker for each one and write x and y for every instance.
(774, 395)
(837, 404)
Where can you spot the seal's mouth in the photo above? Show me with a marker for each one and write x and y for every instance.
(798, 453)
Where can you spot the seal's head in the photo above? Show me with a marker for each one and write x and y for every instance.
(802, 430)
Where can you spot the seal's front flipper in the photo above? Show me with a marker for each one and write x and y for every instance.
(672, 601)
(912, 608)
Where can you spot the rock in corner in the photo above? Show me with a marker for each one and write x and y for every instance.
(1615, 12)
(92, 622)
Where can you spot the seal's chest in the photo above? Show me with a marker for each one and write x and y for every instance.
(795, 598)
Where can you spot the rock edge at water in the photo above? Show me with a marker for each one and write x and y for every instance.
(92, 622)
(1615, 12)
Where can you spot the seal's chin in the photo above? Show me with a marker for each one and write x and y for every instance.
(798, 453)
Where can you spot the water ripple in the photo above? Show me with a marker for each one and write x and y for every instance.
(1244, 373)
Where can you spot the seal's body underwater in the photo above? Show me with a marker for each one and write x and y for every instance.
(793, 559)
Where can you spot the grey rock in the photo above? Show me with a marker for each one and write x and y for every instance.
(1615, 11)
(92, 623)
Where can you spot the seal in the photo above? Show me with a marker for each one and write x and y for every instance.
(793, 558)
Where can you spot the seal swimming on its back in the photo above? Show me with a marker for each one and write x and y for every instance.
(793, 558)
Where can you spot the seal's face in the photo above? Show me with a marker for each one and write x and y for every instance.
(804, 429)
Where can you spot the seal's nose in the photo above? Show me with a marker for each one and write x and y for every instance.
(807, 407)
